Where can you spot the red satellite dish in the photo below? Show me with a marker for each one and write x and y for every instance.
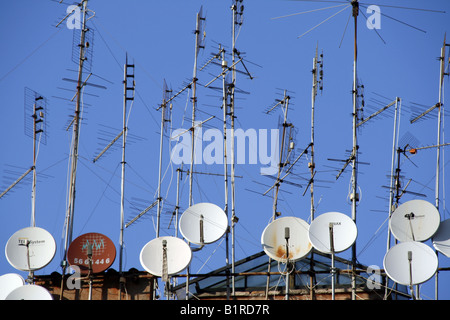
(103, 252)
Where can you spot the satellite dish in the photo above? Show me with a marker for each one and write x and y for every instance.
(441, 239)
(29, 292)
(30, 249)
(410, 263)
(344, 232)
(162, 254)
(415, 220)
(297, 245)
(102, 249)
(205, 220)
(9, 282)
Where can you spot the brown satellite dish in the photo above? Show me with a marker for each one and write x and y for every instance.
(98, 245)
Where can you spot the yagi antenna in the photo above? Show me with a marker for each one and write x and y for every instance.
(35, 126)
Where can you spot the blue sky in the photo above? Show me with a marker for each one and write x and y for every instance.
(159, 38)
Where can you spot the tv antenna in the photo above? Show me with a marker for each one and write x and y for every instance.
(35, 110)
(317, 84)
(439, 107)
(128, 96)
(286, 147)
(353, 159)
(75, 135)
(164, 118)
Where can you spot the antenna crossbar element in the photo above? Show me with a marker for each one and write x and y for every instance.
(376, 113)
(437, 105)
(414, 150)
(16, 182)
(288, 171)
(108, 146)
(223, 72)
(192, 128)
(141, 214)
(188, 86)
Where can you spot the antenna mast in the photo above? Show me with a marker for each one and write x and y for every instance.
(198, 28)
(441, 79)
(163, 120)
(75, 141)
(194, 100)
(317, 72)
(354, 195)
(127, 87)
(236, 23)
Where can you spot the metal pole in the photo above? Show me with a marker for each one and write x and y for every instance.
(333, 270)
(158, 215)
(194, 102)
(122, 197)
(354, 196)
(33, 189)
(441, 79)
(392, 178)
(233, 86)
(75, 141)
(225, 161)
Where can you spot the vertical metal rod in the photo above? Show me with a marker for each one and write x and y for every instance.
(313, 101)
(391, 186)
(288, 263)
(232, 109)
(194, 104)
(438, 150)
(312, 164)
(225, 162)
(333, 269)
(33, 188)
(74, 156)
(355, 5)
(281, 163)
(90, 276)
(158, 212)
(177, 207)
(122, 185)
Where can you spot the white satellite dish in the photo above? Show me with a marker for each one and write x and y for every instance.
(165, 254)
(344, 232)
(30, 292)
(285, 238)
(441, 239)
(410, 263)
(30, 249)
(203, 223)
(9, 282)
(415, 220)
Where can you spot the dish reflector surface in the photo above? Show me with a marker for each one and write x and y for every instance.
(273, 239)
(214, 222)
(179, 255)
(415, 258)
(103, 252)
(30, 249)
(9, 282)
(30, 292)
(344, 232)
(441, 239)
(415, 220)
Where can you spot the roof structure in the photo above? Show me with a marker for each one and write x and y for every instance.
(310, 278)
